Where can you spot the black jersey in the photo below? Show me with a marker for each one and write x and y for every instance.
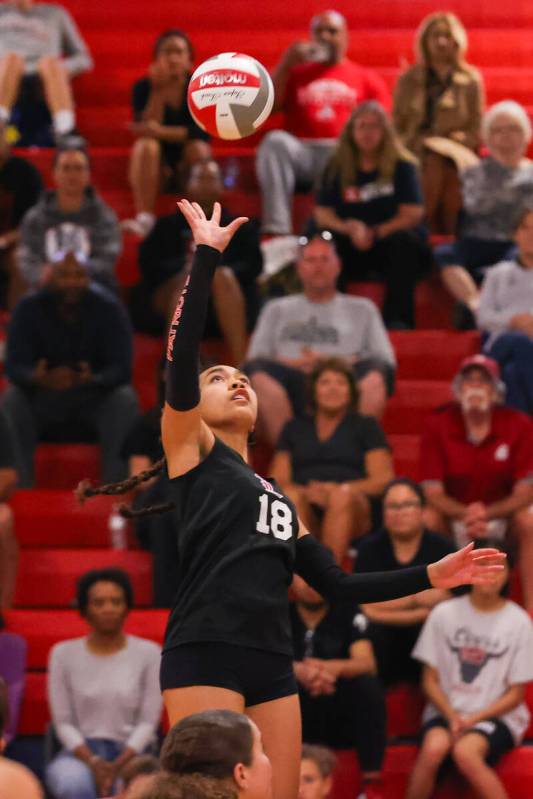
(236, 544)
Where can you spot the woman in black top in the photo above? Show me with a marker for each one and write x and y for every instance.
(334, 461)
(168, 140)
(370, 198)
(228, 640)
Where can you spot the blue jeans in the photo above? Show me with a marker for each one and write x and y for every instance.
(514, 353)
(66, 777)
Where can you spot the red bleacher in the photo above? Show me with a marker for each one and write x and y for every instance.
(60, 540)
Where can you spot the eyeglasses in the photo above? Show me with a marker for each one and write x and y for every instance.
(325, 235)
(409, 504)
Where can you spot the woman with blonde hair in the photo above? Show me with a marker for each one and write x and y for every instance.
(437, 111)
(370, 199)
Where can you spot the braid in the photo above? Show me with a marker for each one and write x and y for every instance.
(85, 490)
(149, 510)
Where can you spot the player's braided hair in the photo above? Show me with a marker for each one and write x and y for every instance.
(86, 490)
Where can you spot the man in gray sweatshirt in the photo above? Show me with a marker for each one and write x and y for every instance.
(506, 314)
(72, 218)
(40, 50)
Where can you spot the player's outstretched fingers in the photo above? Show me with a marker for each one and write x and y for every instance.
(199, 210)
(215, 216)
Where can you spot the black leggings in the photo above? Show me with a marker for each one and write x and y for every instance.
(354, 716)
(399, 259)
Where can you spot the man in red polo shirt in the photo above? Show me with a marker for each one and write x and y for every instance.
(316, 87)
(477, 465)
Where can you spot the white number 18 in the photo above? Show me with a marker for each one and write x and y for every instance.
(280, 518)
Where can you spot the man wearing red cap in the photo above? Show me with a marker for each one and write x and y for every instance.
(477, 465)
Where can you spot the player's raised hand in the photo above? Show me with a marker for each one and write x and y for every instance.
(468, 565)
(208, 231)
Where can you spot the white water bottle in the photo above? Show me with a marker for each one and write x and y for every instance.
(117, 526)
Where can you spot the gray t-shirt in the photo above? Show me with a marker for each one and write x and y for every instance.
(345, 326)
(492, 195)
(478, 656)
(105, 696)
(45, 29)
(507, 290)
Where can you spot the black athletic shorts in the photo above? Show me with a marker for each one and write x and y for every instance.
(259, 676)
(494, 730)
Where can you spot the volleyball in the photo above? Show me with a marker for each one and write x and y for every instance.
(230, 95)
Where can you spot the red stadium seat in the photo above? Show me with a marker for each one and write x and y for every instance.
(48, 518)
(62, 466)
(412, 402)
(431, 354)
(406, 454)
(44, 628)
(47, 577)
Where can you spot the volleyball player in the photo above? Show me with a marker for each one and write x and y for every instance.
(228, 641)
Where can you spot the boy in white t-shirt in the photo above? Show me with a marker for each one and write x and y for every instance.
(477, 652)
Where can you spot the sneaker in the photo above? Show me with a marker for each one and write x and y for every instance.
(278, 251)
(140, 226)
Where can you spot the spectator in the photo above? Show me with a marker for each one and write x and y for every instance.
(334, 462)
(318, 764)
(506, 315)
(69, 354)
(477, 655)
(168, 140)
(370, 198)
(492, 193)
(339, 691)
(317, 87)
(72, 218)
(20, 186)
(223, 745)
(103, 692)
(437, 110)
(404, 541)
(476, 462)
(165, 258)
(40, 50)
(8, 542)
(293, 333)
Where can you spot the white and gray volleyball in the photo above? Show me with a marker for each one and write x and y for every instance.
(230, 95)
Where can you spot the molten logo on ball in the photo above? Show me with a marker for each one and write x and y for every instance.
(230, 95)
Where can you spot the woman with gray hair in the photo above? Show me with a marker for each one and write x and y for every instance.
(437, 110)
(492, 191)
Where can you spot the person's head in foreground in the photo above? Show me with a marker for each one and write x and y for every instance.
(185, 786)
(204, 184)
(223, 745)
(332, 387)
(477, 385)
(403, 505)
(137, 775)
(506, 130)
(104, 598)
(18, 782)
(316, 771)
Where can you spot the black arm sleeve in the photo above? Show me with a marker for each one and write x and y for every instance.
(316, 565)
(182, 391)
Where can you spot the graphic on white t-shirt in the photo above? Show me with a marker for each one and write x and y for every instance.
(474, 652)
